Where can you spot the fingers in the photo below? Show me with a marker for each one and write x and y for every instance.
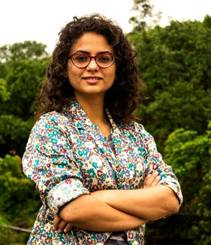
(60, 225)
(56, 221)
(156, 181)
(152, 180)
(67, 228)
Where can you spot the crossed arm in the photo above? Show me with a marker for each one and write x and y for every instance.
(115, 210)
(107, 210)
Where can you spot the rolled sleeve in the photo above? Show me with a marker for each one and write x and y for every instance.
(49, 162)
(167, 176)
(64, 192)
(155, 162)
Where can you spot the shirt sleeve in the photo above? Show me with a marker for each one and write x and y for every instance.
(155, 162)
(48, 161)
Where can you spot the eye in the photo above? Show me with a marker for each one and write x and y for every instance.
(80, 58)
(105, 58)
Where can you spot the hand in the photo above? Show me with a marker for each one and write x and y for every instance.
(151, 180)
(61, 225)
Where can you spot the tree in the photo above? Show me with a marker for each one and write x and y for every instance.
(189, 153)
(22, 66)
(19, 201)
(24, 50)
(4, 93)
(144, 15)
(13, 133)
(174, 63)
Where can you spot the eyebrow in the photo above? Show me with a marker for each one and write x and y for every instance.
(100, 52)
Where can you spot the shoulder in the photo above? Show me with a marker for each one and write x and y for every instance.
(135, 128)
(136, 132)
(53, 117)
(49, 122)
(141, 131)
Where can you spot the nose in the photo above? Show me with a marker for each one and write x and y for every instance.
(92, 65)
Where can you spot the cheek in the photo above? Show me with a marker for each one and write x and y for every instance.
(73, 74)
(110, 79)
(113, 74)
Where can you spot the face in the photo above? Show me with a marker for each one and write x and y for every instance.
(93, 79)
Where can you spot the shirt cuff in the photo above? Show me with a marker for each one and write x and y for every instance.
(175, 188)
(65, 192)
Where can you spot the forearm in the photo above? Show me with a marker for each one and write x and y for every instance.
(149, 204)
(90, 213)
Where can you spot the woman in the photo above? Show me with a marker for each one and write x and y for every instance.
(98, 172)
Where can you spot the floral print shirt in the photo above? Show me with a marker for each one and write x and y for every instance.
(67, 156)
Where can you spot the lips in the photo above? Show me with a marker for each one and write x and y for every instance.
(92, 80)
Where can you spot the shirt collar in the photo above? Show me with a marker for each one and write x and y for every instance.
(79, 116)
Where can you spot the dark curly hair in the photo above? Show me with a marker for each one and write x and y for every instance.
(121, 98)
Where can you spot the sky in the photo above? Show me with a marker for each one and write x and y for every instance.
(41, 20)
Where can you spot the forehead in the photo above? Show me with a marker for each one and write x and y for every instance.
(91, 42)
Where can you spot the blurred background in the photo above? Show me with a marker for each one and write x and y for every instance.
(172, 40)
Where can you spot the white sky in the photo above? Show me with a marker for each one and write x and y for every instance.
(41, 20)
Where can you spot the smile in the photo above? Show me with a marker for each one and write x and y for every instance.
(92, 78)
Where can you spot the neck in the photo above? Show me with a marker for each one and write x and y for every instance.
(93, 106)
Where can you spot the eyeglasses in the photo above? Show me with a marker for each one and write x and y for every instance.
(83, 59)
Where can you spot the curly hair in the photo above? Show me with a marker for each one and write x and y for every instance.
(121, 98)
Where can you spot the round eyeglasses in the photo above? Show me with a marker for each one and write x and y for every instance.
(83, 59)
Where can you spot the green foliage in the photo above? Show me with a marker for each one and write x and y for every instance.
(4, 94)
(174, 62)
(22, 68)
(19, 201)
(13, 133)
(23, 79)
(178, 105)
(189, 153)
(24, 50)
(11, 237)
(17, 192)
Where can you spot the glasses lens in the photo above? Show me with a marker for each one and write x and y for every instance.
(80, 59)
(104, 59)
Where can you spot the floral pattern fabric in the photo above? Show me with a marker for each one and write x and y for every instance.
(67, 156)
